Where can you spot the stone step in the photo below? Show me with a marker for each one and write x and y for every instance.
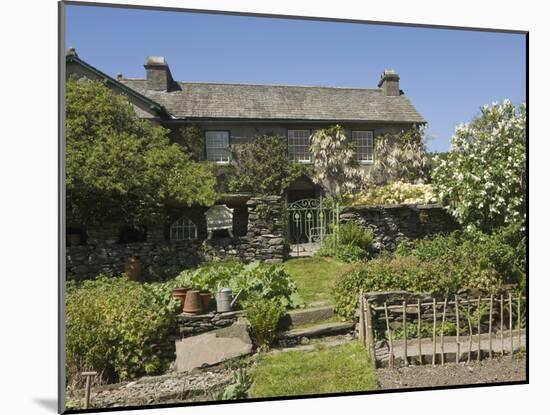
(306, 316)
(318, 330)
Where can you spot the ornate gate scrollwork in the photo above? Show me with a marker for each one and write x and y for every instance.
(311, 220)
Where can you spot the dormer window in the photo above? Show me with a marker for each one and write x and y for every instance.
(298, 146)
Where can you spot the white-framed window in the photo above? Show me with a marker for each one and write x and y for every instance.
(364, 146)
(183, 229)
(298, 146)
(217, 146)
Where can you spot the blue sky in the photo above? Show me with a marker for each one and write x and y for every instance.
(448, 74)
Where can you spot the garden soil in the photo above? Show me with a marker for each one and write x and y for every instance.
(506, 369)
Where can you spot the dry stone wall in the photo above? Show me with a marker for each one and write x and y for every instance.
(161, 258)
(392, 224)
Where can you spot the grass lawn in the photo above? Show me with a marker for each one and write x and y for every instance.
(315, 276)
(344, 368)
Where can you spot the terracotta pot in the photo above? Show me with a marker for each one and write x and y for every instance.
(193, 302)
(73, 239)
(205, 299)
(133, 268)
(180, 294)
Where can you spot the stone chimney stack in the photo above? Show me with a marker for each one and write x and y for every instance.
(159, 77)
(389, 83)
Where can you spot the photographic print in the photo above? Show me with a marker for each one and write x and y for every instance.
(263, 207)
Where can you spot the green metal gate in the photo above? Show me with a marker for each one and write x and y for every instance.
(311, 220)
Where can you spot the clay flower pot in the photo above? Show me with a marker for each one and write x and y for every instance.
(133, 268)
(180, 294)
(193, 302)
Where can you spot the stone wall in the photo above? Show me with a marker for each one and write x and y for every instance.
(161, 258)
(191, 325)
(394, 223)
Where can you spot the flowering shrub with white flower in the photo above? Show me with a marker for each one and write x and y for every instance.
(483, 180)
(392, 194)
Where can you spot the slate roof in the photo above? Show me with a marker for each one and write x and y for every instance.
(203, 100)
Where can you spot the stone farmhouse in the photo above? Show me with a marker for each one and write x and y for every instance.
(235, 113)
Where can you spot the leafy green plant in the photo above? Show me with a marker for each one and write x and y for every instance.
(263, 317)
(441, 265)
(426, 330)
(263, 167)
(239, 388)
(349, 243)
(121, 168)
(255, 279)
(112, 327)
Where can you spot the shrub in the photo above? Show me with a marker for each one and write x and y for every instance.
(350, 243)
(121, 168)
(263, 317)
(393, 193)
(387, 273)
(265, 280)
(482, 180)
(263, 167)
(112, 326)
(334, 164)
(441, 266)
(485, 261)
(400, 157)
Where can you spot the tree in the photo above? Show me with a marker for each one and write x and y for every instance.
(120, 168)
(334, 165)
(482, 182)
(263, 167)
(400, 157)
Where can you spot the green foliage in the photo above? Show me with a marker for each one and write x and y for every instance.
(349, 243)
(426, 330)
(392, 194)
(120, 168)
(263, 316)
(192, 141)
(334, 164)
(400, 157)
(263, 167)
(482, 181)
(345, 253)
(441, 266)
(112, 327)
(239, 388)
(256, 279)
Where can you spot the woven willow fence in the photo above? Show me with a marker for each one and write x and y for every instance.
(496, 319)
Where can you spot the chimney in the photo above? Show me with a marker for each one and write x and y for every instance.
(159, 77)
(389, 83)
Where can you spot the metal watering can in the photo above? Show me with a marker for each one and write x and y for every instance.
(225, 300)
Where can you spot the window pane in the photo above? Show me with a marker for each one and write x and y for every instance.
(217, 146)
(298, 145)
(364, 145)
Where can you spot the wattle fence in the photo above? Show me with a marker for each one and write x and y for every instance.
(402, 328)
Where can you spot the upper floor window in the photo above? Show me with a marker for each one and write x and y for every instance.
(364, 145)
(217, 146)
(298, 146)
